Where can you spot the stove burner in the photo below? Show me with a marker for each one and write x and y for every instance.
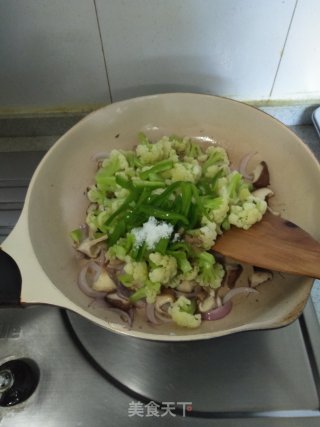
(245, 372)
(18, 380)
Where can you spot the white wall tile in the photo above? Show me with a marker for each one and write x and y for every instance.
(225, 47)
(299, 71)
(50, 55)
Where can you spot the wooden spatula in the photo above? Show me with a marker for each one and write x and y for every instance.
(274, 244)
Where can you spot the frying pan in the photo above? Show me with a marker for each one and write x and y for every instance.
(39, 265)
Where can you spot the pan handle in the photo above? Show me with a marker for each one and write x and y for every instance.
(10, 281)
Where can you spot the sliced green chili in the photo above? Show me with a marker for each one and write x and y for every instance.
(162, 166)
(162, 214)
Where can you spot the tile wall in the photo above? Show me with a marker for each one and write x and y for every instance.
(78, 54)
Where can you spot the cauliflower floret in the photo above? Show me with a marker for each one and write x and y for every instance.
(247, 214)
(207, 234)
(185, 172)
(153, 153)
(217, 209)
(189, 276)
(119, 158)
(165, 268)
(138, 272)
(182, 317)
(217, 159)
(152, 291)
(179, 144)
(210, 272)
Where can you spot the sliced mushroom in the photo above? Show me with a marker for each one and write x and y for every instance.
(163, 303)
(201, 296)
(104, 283)
(233, 272)
(118, 301)
(263, 193)
(261, 177)
(259, 276)
(208, 304)
(91, 248)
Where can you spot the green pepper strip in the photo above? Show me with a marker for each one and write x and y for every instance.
(121, 209)
(186, 194)
(118, 232)
(158, 199)
(194, 216)
(137, 253)
(124, 183)
(161, 214)
(162, 245)
(151, 184)
(159, 167)
(145, 193)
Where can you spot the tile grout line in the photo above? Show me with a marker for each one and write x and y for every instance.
(102, 49)
(283, 48)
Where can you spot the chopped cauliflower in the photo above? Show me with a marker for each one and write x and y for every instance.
(181, 317)
(153, 153)
(138, 271)
(250, 212)
(165, 267)
(206, 234)
(185, 172)
(119, 157)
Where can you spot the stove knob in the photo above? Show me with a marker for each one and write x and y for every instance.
(18, 380)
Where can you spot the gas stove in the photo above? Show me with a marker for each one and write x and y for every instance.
(69, 372)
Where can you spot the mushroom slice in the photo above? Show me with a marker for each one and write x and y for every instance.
(261, 177)
(259, 276)
(233, 272)
(118, 301)
(104, 283)
(263, 193)
(91, 248)
(163, 302)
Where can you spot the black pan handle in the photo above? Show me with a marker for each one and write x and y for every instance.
(10, 281)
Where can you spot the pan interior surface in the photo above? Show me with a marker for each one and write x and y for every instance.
(57, 202)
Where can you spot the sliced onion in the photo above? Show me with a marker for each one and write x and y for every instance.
(125, 316)
(236, 291)
(84, 283)
(150, 313)
(244, 164)
(218, 313)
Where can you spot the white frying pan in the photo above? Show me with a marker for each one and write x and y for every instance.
(56, 203)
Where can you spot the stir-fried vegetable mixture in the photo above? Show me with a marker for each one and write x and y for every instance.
(154, 215)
